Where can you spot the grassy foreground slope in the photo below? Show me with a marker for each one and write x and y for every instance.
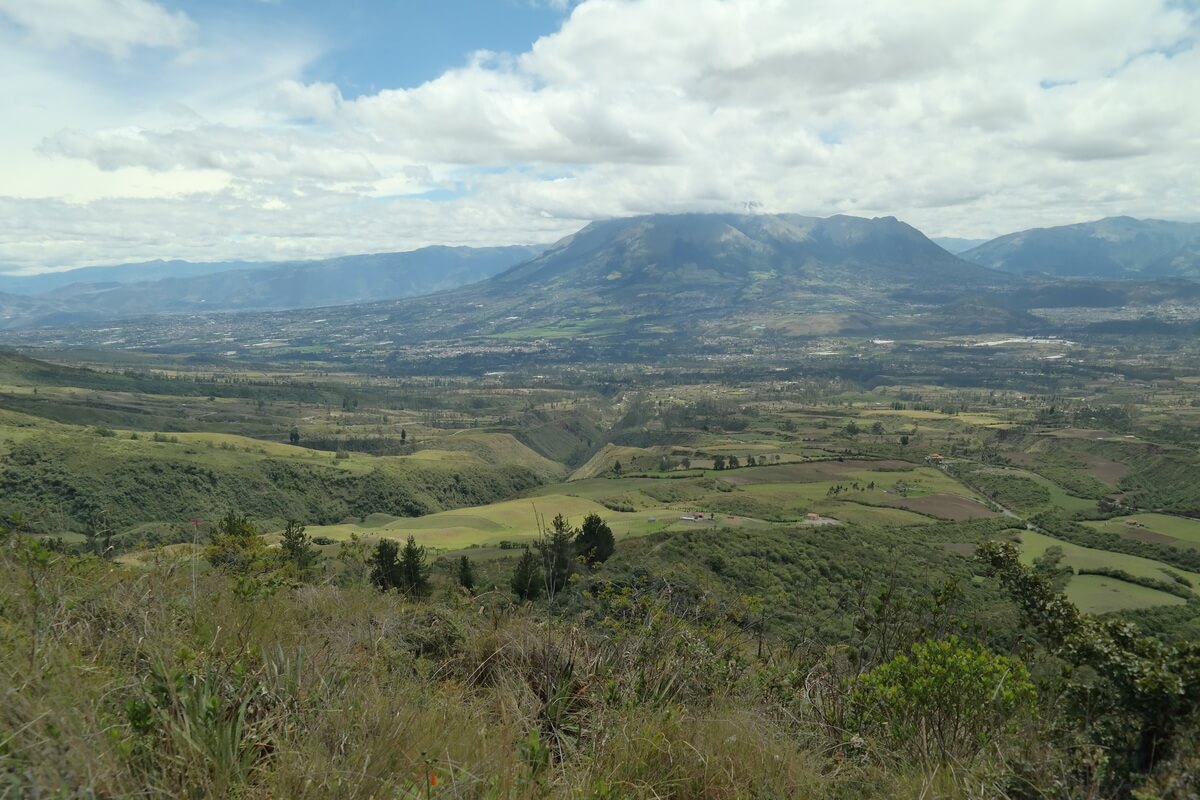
(717, 664)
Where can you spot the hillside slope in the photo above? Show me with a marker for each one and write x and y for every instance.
(1111, 248)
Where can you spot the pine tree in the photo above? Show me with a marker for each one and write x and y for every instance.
(296, 548)
(527, 581)
(414, 573)
(595, 542)
(466, 574)
(385, 566)
(558, 555)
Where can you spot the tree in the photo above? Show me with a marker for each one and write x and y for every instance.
(904, 440)
(686, 463)
(594, 542)
(294, 435)
(527, 582)
(466, 574)
(718, 462)
(355, 560)
(403, 435)
(734, 463)
(297, 549)
(877, 429)
(385, 565)
(616, 467)
(851, 429)
(558, 555)
(414, 573)
(236, 546)
(1137, 695)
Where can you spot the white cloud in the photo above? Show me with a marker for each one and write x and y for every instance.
(113, 26)
(959, 116)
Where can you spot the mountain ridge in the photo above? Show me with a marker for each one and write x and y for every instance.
(1118, 248)
(285, 285)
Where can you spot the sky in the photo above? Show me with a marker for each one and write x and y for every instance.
(215, 130)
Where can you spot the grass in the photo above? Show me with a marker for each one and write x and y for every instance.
(1100, 594)
(153, 688)
(67, 472)
(1181, 531)
(514, 521)
(1035, 544)
(630, 458)
(784, 492)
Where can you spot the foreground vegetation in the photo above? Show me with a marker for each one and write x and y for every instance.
(310, 584)
(254, 682)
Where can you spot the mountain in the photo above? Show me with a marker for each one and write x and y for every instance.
(953, 244)
(694, 273)
(287, 285)
(711, 261)
(120, 273)
(1114, 248)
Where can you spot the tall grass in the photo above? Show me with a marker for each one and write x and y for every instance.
(123, 682)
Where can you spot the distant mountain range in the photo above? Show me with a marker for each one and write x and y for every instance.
(187, 287)
(1114, 248)
(627, 268)
(123, 273)
(692, 274)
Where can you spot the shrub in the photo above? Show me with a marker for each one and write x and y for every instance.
(945, 701)
(236, 546)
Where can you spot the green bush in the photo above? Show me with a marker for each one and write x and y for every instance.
(946, 701)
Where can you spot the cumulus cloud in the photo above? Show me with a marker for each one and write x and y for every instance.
(246, 154)
(960, 116)
(113, 26)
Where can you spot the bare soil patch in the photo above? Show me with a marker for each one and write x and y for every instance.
(1146, 535)
(945, 506)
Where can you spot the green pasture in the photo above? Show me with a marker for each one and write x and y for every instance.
(1034, 544)
(516, 521)
(1183, 531)
(1100, 594)
(789, 491)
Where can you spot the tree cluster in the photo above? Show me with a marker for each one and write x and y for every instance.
(563, 550)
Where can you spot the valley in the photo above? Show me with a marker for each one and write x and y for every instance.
(467, 464)
(812, 459)
(599, 400)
